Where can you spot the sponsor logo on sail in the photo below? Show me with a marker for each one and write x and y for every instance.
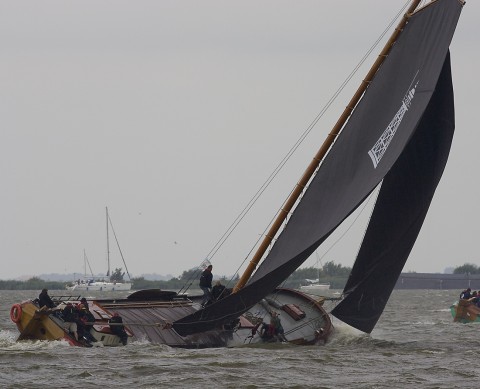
(380, 147)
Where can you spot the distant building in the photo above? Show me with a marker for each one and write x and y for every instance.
(438, 281)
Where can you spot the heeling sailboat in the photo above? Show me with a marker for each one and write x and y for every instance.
(399, 131)
(103, 284)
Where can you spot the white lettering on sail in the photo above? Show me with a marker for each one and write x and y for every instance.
(378, 150)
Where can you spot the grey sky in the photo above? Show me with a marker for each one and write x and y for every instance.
(174, 113)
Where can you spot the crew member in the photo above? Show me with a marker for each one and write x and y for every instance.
(206, 284)
(117, 328)
(44, 299)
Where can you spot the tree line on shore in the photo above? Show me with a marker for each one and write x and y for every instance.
(330, 272)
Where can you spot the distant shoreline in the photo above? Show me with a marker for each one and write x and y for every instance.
(405, 281)
(437, 281)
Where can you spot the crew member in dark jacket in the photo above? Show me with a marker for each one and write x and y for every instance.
(44, 299)
(206, 284)
(85, 323)
(117, 328)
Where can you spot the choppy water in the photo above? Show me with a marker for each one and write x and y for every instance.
(415, 345)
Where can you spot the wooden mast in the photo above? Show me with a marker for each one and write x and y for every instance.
(312, 167)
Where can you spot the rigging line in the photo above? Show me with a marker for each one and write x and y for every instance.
(304, 324)
(237, 314)
(290, 153)
(138, 324)
(88, 262)
(307, 323)
(118, 245)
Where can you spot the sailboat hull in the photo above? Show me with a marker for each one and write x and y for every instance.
(148, 315)
(101, 287)
(314, 288)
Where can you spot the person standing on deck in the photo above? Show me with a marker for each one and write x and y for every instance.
(44, 299)
(206, 284)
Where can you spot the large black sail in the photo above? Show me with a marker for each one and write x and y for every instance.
(400, 210)
(368, 147)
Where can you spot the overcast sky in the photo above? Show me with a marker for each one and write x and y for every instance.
(174, 113)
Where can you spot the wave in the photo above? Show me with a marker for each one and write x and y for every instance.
(8, 340)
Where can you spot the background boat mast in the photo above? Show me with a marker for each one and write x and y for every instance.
(312, 167)
(108, 245)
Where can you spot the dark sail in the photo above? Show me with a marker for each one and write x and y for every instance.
(400, 210)
(368, 147)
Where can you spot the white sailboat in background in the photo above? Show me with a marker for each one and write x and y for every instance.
(102, 283)
(315, 286)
